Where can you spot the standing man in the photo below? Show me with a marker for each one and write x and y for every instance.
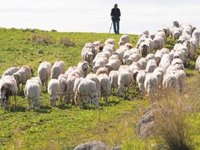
(115, 15)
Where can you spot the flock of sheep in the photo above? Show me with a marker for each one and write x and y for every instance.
(104, 71)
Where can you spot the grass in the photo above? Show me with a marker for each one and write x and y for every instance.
(64, 127)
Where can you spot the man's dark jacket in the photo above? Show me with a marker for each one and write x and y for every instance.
(115, 13)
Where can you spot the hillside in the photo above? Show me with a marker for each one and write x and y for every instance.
(64, 127)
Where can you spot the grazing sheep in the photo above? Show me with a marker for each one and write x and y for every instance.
(54, 91)
(22, 75)
(10, 71)
(44, 72)
(87, 93)
(124, 39)
(113, 62)
(125, 80)
(181, 77)
(8, 87)
(33, 91)
(105, 86)
(57, 69)
(142, 63)
(170, 83)
(140, 80)
(110, 41)
(151, 86)
(159, 42)
(113, 77)
(94, 78)
(62, 80)
(102, 70)
(84, 66)
(87, 55)
(151, 66)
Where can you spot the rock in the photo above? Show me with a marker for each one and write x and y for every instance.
(91, 145)
(146, 125)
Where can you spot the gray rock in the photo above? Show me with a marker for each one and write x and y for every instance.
(92, 145)
(146, 125)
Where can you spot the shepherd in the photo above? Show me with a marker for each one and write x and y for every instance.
(115, 16)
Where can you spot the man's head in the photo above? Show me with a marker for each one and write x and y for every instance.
(115, 6)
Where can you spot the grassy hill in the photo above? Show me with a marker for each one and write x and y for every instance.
(64, 127)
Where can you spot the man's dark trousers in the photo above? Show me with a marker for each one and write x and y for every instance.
(116, 26)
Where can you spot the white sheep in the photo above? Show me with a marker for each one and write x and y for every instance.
(105, 86)
(8, 87)
(151, 65)
(113, 77)
(140, 80)
(125, 80)
(124, 39)
(57, 69)
(84, 66)
(44, 72)
(22, 75)
(54, 91)
(151, 86)
(94, 78)
(10, 71)
(87, 93)
(33, 91)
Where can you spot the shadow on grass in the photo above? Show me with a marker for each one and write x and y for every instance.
(43, 109)
(109, 103)
(16, 109)
(63, 107)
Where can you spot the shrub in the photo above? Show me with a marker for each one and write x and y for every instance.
(170, 122)
(41, 39)
(66, 42)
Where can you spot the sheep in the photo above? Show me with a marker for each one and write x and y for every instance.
(22, 75)
(140, 80)
(57, 69)
(151, 66)
(44, 72)
(124, 39)
(144, 49)
(32, 92)
(87, 93)
(181, 77)
(69, 95)
(94, 78)
(62, 80)
(102, 70)
(105, 86)
(165, 61)
(113, 77)
(170, 82)
(159, 42)
(113, 62)
(151, 86)
(197, 65)
(8, 87)
(10, 71)
(125, 80)
(142, 63)
(54, 91)
(87, 55)
(109, 41)
(84, 66)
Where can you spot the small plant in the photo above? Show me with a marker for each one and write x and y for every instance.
(66, 42)
(171, 126)
(41, 39)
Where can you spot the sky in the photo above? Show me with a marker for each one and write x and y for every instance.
(94, 15)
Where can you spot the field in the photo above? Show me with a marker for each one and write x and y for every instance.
(63, 127)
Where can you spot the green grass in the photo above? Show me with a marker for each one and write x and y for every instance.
(64, 127)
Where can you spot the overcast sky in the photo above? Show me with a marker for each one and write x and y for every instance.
(94, 15)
